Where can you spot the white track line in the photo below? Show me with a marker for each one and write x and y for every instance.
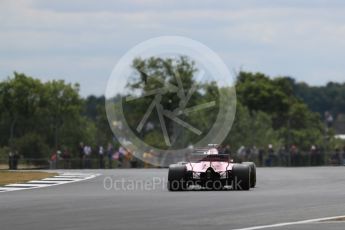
(58, 179)
(292, 223)
(68, 177)
(43, 182)
(65, 178)
(25, 185)
(9, 189)
(19, 185)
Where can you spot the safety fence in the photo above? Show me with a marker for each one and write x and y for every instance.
(73, 163)
(301, 159)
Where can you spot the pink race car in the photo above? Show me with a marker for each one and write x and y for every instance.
(211, 170)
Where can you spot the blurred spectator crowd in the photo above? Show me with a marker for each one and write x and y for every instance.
(111, 157)
(288, 156)
(93, 157)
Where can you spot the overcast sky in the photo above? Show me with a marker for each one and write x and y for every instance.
(81, 41)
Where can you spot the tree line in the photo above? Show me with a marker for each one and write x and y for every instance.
(38, 117)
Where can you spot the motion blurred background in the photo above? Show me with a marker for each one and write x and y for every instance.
(56, 57)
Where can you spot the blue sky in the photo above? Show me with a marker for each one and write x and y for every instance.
(81, 41)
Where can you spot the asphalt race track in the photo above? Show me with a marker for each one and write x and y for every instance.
(138, 199)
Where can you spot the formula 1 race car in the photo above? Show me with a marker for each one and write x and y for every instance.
(211, 170)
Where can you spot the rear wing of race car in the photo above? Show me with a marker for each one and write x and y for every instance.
(195, 157)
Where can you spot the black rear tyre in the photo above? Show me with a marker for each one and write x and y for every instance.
(252, 173)
(177, 178)
(241, 177)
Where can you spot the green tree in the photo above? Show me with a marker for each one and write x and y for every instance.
(252, 129)
(20, 99)
(155, 73)
(61, 105)
(290, 116)
(44, 115)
